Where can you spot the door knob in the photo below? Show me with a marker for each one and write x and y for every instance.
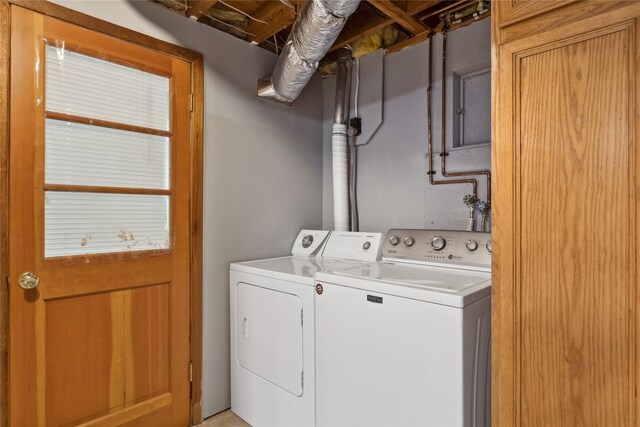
(28, 280)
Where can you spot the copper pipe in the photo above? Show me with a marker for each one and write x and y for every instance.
(443, 151)
(431, 171)
(442, 9)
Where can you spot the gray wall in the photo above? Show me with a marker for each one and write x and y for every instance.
(392, 180)
(262, 165)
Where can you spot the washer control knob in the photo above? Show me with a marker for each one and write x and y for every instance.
(471, 245)
(366, 245)
(394, 240)
(307, 241)
(489, 246)
(438, 243)
(409, 241)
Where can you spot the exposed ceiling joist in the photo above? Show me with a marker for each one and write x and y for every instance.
(363, 22)
(197, 8)
(398, 15)
(415, 7)
(373, 25)
(278, 15)
(419, 38)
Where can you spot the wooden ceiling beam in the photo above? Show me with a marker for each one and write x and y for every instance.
(398, 15)
(278, 15)
(407, 43)
(415, 7)
(425, 36)
(363, 22)
(197, 8)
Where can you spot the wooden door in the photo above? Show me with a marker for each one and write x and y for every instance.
(565, 230)
(99, 210)
(512, 11)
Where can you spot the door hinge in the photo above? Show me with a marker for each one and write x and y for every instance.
(302, 379)
(191, 103)
(301, 318)
(190, 372)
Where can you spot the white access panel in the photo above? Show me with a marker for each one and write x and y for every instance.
(269, 335)
(383, 360)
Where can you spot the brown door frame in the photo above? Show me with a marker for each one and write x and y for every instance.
(196, 142)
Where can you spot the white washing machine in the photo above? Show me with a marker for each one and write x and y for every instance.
(273, 330)
(406, 341)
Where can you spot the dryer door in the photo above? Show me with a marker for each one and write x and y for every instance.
(269, 335)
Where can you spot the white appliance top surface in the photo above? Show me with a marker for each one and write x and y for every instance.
(441, 285)
(435, 278)
(292, 268)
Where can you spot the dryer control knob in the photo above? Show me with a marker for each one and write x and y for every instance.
(438, 243)
(366, 245)
(307, 241)
(409, 241)
(394, 240)
(489, 246)
(471, 245)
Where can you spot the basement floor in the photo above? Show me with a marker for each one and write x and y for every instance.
(224, 419)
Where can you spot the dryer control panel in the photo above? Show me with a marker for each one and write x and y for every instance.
(470, 249)
(309, 242)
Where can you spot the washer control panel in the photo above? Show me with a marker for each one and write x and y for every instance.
(451, 247)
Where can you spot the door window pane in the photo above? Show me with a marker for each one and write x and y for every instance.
(81, 154)
(90, 223)
(84, 86)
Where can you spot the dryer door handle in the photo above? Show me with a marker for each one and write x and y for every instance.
(245, 326)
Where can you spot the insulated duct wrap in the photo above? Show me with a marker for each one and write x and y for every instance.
(291, 74)
(317, 27)
(339, 148)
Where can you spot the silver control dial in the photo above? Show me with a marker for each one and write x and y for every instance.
(307, 241)
(489, 246)
(409, 241)
(366, 245)
(394, 240)
(471, 245)
(438, 243)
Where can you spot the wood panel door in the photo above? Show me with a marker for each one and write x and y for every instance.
(513, 11)
(99, 211)
(565, 230)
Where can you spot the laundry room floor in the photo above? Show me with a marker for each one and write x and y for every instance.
(224, 419)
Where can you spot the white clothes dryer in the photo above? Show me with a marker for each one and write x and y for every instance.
(406, 341)
(273, 328)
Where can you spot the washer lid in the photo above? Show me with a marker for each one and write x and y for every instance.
(437, 278)
(441, 285)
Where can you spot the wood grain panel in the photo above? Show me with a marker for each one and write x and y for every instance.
(23, 389)
(104, 27)
(517, 10)
(150, 337)
(76, 38)
(574, 233)
(197, 88)
(79, 279)
(119, 340)
(181, 266)
(81, 362)
(567, 16)
(5, 31)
